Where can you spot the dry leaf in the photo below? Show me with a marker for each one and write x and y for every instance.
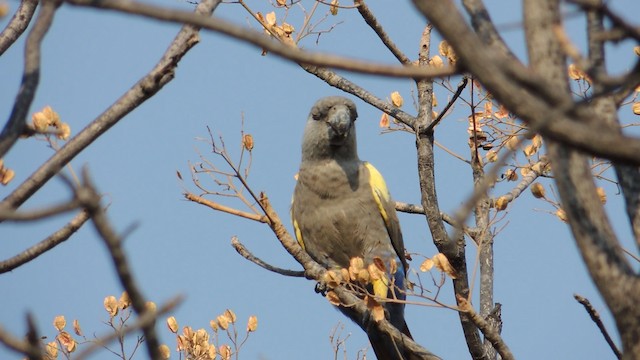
(150, 306)
(64, 131)
(223, 322)
(247, 142)
(59, 322)
(396, 99)
(6, 175)
(492, 156)
(214, 325)
(111, 305)
(426, 265)
(602, 195)
(230, 315)
(436, 61)
(52, 350)
(332, 278)
(4, 9)
(636, 49)
(530, 150)
(537, 190)
(636, 108)
(288, 28)
(575, 73)
(270, 18)
(334, 7)
(441, 262)
(252, 324)
(511, 175)
(502, 113)
(384, 120)
(225, 352)
(333, 298)
(512, 143)
(124, 301)
(165, 352)
(355, 265)
(76, 327)
(281, 2)
(561, 215)
(172, 324)
(67, 341)
(502, 203)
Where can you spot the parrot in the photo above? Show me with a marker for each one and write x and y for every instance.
(341, 209)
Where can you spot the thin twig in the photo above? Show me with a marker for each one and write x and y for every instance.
(461, 85)
(593, 313)
(10, 215)
(245, 253)
(215, 206)
(371, 20)
(146, 319)
(45, 245)
(488, 331)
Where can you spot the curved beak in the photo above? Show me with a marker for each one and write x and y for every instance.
(340, 122)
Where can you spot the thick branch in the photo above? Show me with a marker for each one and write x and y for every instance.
(483, 25)
(18, 24)
(489, 332)
(45, 245)
(264, 42)
(544, 107)
(91, 200)
(453, 250)
(148, 86)
(337, 81)
(594, 235)
(16, 124)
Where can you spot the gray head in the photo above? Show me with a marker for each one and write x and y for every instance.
(330, 130)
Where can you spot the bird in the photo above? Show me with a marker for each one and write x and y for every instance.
(341, 210)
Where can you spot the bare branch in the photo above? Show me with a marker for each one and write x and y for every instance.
(45, 245)
(148, 86)
(371, 20)
(537, 170)
(488, 331)
(264, 42)
(544, 107)
(10, 215)
(215, 206)
(593, 313)
(18, 24)
(456, 95)
(337, 81)
(91, 200)
(245, 253)
(16, 124)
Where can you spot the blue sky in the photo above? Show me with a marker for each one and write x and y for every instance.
(90, 58)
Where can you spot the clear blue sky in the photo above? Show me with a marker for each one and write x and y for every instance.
(90, 58)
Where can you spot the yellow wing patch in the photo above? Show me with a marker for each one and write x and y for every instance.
(296, 228)
(379, 190)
